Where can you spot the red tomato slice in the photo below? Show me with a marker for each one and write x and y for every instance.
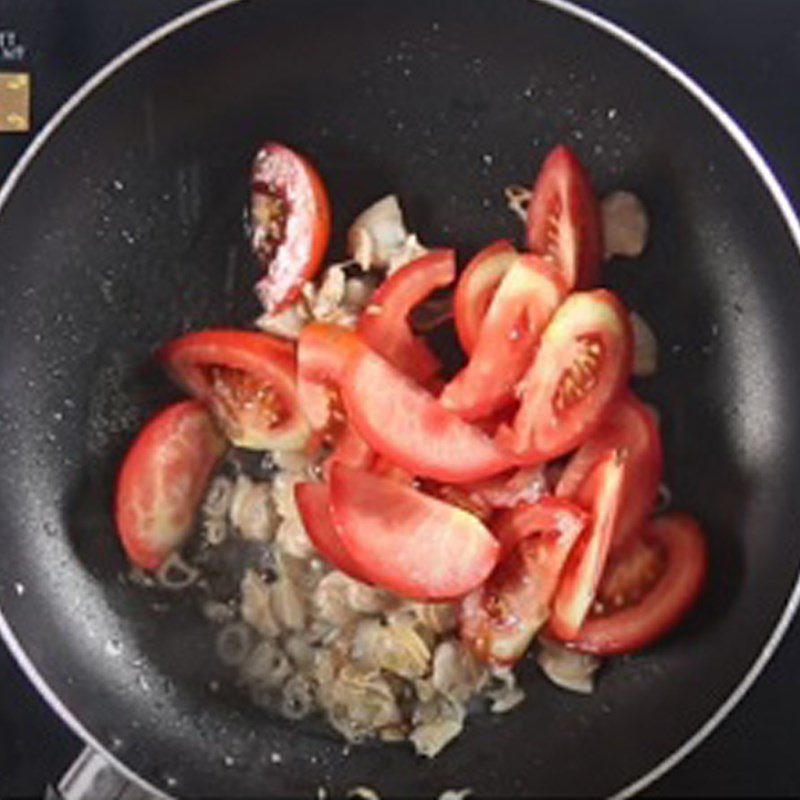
(526, 485)
(247, 379)
(476, 287)
(648, 590)
(350, 449)
(629, 426)
(405, 423)
(583, 362)
(384, 324)
(522, 305)
(314, 505)
(459, 496)
(582, 574)
(500, 618)
(323, 352)
(290, 220)
(564, 219)
(162, 482)
(548, 514)
(385, 469)
(407, 541)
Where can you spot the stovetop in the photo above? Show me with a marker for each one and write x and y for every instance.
(746, 52)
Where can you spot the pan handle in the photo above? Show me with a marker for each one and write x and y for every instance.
(90, 777)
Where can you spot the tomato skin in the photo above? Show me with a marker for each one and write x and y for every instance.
(522, 305)
(287, 194)
(632, 427)
(323, 352)
(500, 618)
(564, 218)
(350, 449)
(406, 424)
(507, 490)
(384, 323)
(581, 367)
(407, 541)
(246, 379)
(162, 481)
(476, 287)
(314, 504)
(578, 587)
(547, 514)
(385, 469)
(635, 626)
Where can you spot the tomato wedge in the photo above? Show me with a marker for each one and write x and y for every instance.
(323, 352)
(406, 424)
(526, 485)
(290, 222)
(528, 295)
(632, 427)
(547, 514)
(247, 379)
(564, 218)
(583, 362)
(162, 481)
(350, 449)
(582, 574)
(384, 324)
(314, 505)
(386, 469)
(500, 618)
(407, 541)
(648, 590)
(476, 287)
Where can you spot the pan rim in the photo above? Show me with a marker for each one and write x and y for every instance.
(731, 127)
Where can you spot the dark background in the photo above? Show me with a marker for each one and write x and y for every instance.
(746, 52)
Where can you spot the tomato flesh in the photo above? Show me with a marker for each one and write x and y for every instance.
(350, 449)
(564, 218)
(547, 514)
(528, 295)
(648, 590)
(323, 352)
(406, 424)
(578, 587)
(629, 426)
(499, 619)
(248, 381)
(162, 482)
(384, 325)
(314, 505)
(582, 364)
(407, 541)
(476, 287)
(526, 485)
(290, 221)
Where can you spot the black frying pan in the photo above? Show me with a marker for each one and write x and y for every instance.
(122, 227)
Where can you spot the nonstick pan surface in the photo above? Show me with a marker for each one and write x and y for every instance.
(123, 228)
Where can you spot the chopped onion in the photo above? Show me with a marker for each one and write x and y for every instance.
(379, 238)
(625, 225)
(411, 250)
(567, 668)
(517, 199)
(287, 323)
(362, 793)
(377, 232)
(175, 574)
(455, 794)
(234, 643)
(645, 347)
